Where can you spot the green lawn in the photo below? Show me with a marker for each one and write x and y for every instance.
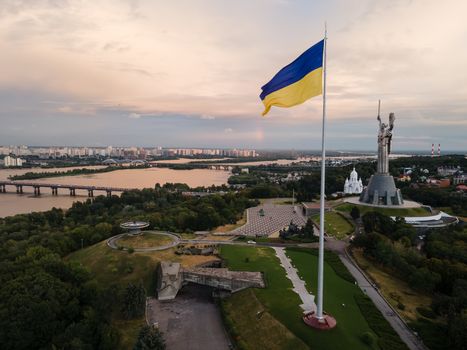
(110, 266)
(336, 225)
(253, 327)
(145, 240)
(346, 207)
(281, 302)
(351, 324)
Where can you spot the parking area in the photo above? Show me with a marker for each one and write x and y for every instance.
(191, 321)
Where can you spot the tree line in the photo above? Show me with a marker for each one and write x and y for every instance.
(436, 265)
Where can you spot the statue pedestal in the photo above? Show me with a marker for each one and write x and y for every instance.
(381, 190)
(327, 322)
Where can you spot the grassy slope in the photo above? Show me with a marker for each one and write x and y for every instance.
(394, 289)
(279, 300)
(336, 225)
(230, 227)
(346, 207)
(253, 331)
(147, 239)
(129, 330)
(110, 266)
(350, 322)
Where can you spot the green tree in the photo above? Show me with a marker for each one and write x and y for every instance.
(355, 213)
(134, 301)
(150, 338)
(308, 229)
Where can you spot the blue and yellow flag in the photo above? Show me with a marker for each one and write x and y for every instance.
(296, 82)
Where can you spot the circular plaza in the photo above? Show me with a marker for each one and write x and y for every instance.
(144, 242)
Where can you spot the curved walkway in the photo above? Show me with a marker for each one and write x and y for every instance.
(112, 242)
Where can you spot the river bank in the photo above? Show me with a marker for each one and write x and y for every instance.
(11, 203)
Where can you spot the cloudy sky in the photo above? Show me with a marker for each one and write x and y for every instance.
(188, 73)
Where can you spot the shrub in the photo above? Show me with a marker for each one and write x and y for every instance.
(355, 213)
(129, 268)
(387, 337)
(131, 250)
(428, 313)
(368, 338)
(400, 306)
(432, 333)
(150, 338)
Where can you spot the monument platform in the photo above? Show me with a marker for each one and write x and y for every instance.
(407, 204)
(381, 190)
(326, 323)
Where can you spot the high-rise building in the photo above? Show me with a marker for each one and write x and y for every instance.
(9, 161)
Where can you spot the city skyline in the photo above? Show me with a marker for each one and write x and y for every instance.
(186, 75)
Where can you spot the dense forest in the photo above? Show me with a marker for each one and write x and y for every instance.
(48, 302)
(436, 265)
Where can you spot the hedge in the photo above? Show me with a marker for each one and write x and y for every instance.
(388, 339)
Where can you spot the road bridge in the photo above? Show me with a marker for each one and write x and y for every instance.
(55, 187)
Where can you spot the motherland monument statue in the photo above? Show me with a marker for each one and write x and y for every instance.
(384, 144)
(381, 189)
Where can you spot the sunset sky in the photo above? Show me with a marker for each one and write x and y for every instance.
(188, 73)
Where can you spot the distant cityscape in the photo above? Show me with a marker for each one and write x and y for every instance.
(119, 152)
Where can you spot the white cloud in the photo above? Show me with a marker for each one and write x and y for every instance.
(134, 116)
(207, 117)
(209, 58)
(228, 130)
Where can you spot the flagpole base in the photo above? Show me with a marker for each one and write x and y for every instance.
(324, 323)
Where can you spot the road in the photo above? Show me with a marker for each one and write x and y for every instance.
(404, 332)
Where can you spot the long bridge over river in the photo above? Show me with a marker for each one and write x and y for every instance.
(54, 187)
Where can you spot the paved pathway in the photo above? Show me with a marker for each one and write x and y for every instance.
(192, 321)
(308, 300)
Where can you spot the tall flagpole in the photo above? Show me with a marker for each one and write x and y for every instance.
(319, 313)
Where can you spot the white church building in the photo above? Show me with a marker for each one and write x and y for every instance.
(353, 185)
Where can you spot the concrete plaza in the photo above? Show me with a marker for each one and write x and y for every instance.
(269, 219)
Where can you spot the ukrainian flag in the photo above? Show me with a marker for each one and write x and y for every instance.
(297, 82)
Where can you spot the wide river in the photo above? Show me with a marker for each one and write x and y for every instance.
(11, 203)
